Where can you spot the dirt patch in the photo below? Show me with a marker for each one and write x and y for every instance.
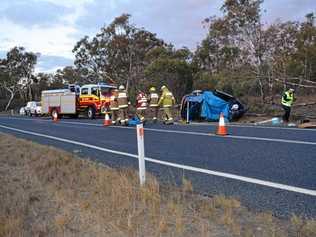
(48, 192)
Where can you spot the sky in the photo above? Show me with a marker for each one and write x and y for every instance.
(51, 28)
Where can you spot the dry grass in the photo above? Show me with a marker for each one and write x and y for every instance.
(48, 192)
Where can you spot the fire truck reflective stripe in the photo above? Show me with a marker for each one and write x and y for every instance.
(122, 95)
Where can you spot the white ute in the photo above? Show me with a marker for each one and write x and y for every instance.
(33, 108)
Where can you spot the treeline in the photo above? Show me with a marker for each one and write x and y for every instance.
(240, 55)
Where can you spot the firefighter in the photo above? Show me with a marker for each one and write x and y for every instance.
(141, 106)
(114, 108)
(153, 103)
(167, 101)
(287, 101)
(123, 105)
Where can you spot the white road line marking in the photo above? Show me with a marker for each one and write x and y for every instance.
(194, 133)
(185, 167)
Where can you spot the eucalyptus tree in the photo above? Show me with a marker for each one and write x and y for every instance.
(116, 54)
(16, 73)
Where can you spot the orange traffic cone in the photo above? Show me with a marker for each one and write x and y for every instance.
(107, 121)
(55, 117)
(222, 131)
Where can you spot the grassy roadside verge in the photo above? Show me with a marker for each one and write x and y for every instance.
(48, 192)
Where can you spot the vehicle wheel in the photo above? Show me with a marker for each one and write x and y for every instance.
(91, 113)
(55, 114)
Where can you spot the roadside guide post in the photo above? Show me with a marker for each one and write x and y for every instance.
(141, 153)
(188, 110)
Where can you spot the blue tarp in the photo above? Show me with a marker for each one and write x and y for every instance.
(213, 106)
(207, 106)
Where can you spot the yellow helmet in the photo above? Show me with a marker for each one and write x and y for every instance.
(163, 87)
(152, 89)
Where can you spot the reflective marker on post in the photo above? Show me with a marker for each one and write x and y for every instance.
(141, 153)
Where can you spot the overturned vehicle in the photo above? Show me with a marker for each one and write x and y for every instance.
(208, 105)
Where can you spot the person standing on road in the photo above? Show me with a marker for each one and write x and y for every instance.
(287, 101)
(153, 104)
(167, 101)
(122, 99)
(141, 106)
(114, 108)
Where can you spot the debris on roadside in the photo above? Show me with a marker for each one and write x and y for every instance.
(307, 125)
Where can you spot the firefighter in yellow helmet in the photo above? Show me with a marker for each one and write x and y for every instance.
(114, 107)
(122, 100)
(153, 99)
(167, 101)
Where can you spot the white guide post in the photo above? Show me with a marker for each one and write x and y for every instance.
(188, 110)
(141, 153)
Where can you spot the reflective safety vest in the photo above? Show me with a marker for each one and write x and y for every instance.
(167, 99)
(114, 103)
(153, 100)
(141, 101)
(122, 99)
(287, 99)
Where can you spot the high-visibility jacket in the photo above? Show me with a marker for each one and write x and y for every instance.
(141, 101)
(114, 102)
(287, 99)
(122, 99)
(167, 99)
(153, 100)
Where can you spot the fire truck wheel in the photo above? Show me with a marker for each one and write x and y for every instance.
(91, 113)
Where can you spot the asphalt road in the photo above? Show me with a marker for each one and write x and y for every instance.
(285, 156)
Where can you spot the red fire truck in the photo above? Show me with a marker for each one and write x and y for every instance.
(90, 100)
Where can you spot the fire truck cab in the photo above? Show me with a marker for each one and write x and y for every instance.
(95, 99)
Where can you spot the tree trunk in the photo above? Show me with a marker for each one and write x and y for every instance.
(262, 95)
(10, 100)
(129, 73)
(271, 87)
(30, 94)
